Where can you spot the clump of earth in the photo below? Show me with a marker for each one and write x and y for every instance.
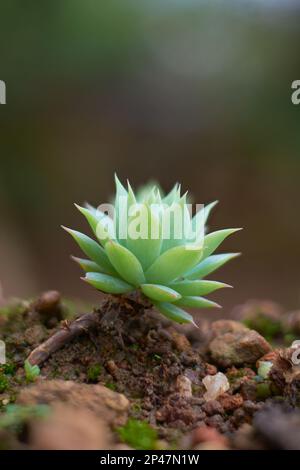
(135, 380)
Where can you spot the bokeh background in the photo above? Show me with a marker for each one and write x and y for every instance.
(191, 91)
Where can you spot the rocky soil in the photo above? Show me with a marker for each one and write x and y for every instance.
(136, 380)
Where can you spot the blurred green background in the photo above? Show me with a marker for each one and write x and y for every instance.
(191, 91)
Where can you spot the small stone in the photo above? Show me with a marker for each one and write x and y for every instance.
(48, 301)
(35, 334)
(270, 356)
(221, 327)
(210, 369)
(111, 406)
(231, 402)
(251, 407)
(264, 368)
(67, 428)
(207, 434)
(180, 341)
(215, 421)
(237, 377)
(211, 446)
(238, 348)
(190, 358)
(194, 375)
(238, 417)
(215, 385)
(249, 390)
(184, 386)
(47, 309)
(282, 369)
(213, 407)
(112, 367)
(5, 401)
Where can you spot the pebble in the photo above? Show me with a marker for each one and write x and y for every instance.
(180, 341)
(112, 367)
(48, 301)
(210, 369)
(239, 347)
(231, 402)
(184, 386)
(206, 434)
(35, 334)
(215, 385)
(264, 369)
(248, 390)
(213, 407)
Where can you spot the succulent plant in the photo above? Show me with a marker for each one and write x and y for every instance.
(168, 269)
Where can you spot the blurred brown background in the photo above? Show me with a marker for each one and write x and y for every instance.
(191, 91)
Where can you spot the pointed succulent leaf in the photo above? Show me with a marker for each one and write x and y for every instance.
(151, 197)
(196, 302)
(125, 263)
(200, 219)
(176, 225)
(214, 239)
(143, 192)
(93, 250)
(91, 208)
(171, 196)
(101, 224)
(174, 313)
(92, 216)
(121, 200)
(209, 265)
(207, 210)
(105, 230)
(198, 287)
(160, 293)
(173, 263)
(87, 265)
(106, 283)
(120, 190)
(131, 196)
(145, 246)
(204, 213)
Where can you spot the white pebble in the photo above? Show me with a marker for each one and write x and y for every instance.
(264, 368)
(215, 386)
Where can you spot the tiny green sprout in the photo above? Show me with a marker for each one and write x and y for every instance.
(3, 383)
(93, 372)
(153, 243)
(31, 372)
(157, 357)
(111, 386)
(9, 368)
(138, 434)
